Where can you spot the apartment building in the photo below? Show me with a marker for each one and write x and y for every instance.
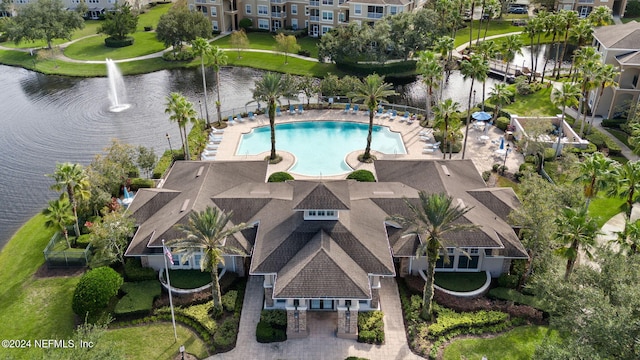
(95, 8)
(584, 7)
(319, 16)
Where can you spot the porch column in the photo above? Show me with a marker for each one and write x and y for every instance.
(404, 267)
(375, 297)
(347, 323)
(268, 296)
(297, 322)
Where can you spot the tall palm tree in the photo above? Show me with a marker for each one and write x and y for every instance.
(567, 95)
(510, 47)
(605, 77)
(446, 113)
(577, 230)
(595, 171)
(73, 181)
(628, 240)
(600, 16)
(431, 75)
(269, 90)
(444, 46)
(371, 91)
(432, 219)
(58, 216)
(582, 33)
(626, 184)
(488, 50)
(218, 59)
(182, 112)
(570, 18)
(206, 232)
(490, 8)
(553, 26)
(202, 48)
(533, 28)
(560, 23)
(500, 96)
(475, 68)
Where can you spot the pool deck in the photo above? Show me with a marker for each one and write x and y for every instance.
(482, 153)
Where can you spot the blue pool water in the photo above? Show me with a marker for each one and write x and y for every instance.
(320, 147)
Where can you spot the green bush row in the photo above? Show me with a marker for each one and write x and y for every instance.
(448, 320)
(371, 327)
(613, 123)
(274, 317)
(280, 176)
(138, 299)
(198, 313)
(112, 42)
(184, 55)
(266, 333)
(165, 162)
(141, 183)
(133, 271)
(502, 123)
(362, 176)
(603, 141)
(503, 293)
(229, 300)
(226, 335)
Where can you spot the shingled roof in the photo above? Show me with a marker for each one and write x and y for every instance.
(624, 36)
(312, 195)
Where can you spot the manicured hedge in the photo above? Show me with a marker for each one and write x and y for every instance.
(613, 123)
(198, 313)
(362, 176)
(280, 176)
(94, 290)
(393, 69)
(118, 43)
(274, 317)
(139, 297)
(229, 300)
(448, 320)
(184, 55)
(502, 123)
(272, 326)
(371, 327)
(226, 334)
(133, 271)
(503, 293)
(140, 183)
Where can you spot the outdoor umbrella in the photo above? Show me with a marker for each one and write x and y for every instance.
(501, 143)
(481, 115)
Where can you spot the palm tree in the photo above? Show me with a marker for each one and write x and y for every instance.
(73, 181)
(581, 34)
(500, 96)
(488, 50)
(446, 113)
(202, 48)
(431, 75)
(570, 20)
(559, 20)
(433, 218)
(58, 216)
(626, 184)
(206, 232)
(182, 112)
(595, 172)
(510, 47)
(534, 27)
(577, 230)
(218, 59)
(628, 240)
(270, 89)
(567, 95)
(475, 68)
(444, 46)
(605, 77)
(600, 16)
(371, 91)
(553, 25)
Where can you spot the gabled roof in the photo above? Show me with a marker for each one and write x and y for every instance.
(312, 195)
(632, 58)
(321, 269)
(624, 36)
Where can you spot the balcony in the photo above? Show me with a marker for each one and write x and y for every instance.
(275, 14)
(373, 15)
(585, 1)
(314, 18)
(278, 1)
(314, 3)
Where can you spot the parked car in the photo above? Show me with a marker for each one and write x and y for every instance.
(518, 10)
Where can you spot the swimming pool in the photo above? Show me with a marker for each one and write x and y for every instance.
(320, 147)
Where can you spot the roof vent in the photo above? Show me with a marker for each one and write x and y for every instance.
(445, 170)
(200, 170)
(461, 203)
(185, 204)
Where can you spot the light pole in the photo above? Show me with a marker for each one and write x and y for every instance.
(170, 148)
(474, 98)
(200, 104)
(506, 152)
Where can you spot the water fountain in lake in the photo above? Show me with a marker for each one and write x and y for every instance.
(117, 91)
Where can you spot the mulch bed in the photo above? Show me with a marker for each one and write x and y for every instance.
(45, 272)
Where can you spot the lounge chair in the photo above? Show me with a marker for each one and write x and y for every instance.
(216, 140)
(411, 120)
(393, 115)
(426, 138)
(385, 113)
(405, 117)
(216, 131)
(436, 145)
(292, 110)
(278, 111)
(355, 109)
(239, 118)
(427, 132)
(379, 112)
(428, 150)
(347, 108)
(252, 116)
(300, 109)
(209, 152)
(212, 147)
(207, 157)
(230, 120)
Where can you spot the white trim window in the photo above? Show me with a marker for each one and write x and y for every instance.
(327, 2)
(214, 11)
(294, 24)
(263, 10)
(327, 16)
(393, 10)
(247, 9)
(294, 9)
(326, 29)
(357, 9)
(214, 25)
(263, 24)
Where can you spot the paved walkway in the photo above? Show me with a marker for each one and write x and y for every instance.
(320, 346)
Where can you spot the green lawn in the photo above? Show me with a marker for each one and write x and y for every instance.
(496, 27)
(154, 341)
(629, 19)
(275, 62)
(151, 16)
(93, 48)
(536, 104)
(265, 41)
(460, 281)
(519, 343)
(604, 208)
(189, 279)
(505, 182)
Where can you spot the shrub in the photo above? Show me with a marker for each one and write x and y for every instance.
(486, 175)
(549, 154)
(362, 176)
(527, 167)
(140, 183)
(371, 327)
(280, 176)
(184, 55)
(613, 123)
(245, 23)
(503, 293)
(598, 138)
(133, 271)
(306, 53)
(632, 9)
(522, 86)
(83, 241)
(118, 43)
(448, 320)
(94, 290)
(502, 123)
(530, 159)
(591, 148)
(138, 299)
(229, 300)
(394, 68)
(495, 167)
(508, 281)
(265, 333)
(274, 317)
(198, 314)
(226, 334)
